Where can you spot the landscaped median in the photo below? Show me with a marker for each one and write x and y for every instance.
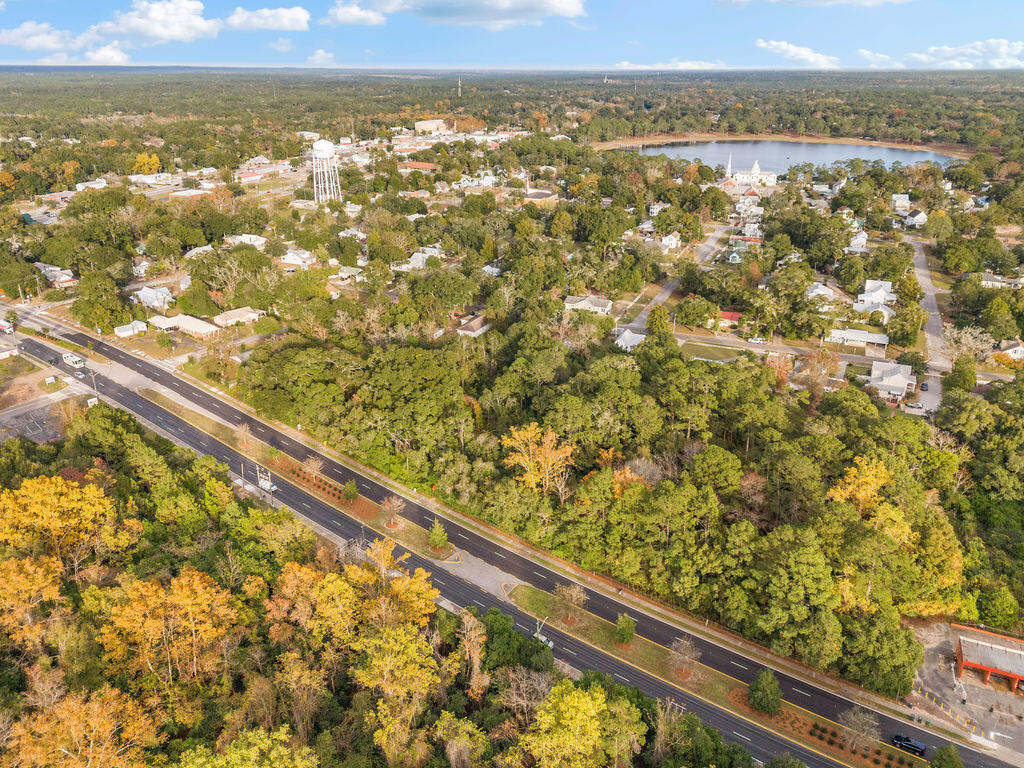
(386, 520)
(680, 667)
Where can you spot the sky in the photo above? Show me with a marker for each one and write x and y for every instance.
(645, 35)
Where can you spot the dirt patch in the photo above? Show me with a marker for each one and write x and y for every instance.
(19, 381)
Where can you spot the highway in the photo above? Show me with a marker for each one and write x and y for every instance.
(800, 692)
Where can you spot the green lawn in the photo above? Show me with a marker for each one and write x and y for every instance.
(708, 352)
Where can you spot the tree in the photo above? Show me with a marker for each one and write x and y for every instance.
(997, 607)
(999, 320)
(11, 317)
(969, 340)
(964, 374)
(625, 628)
(562, 225)
(764, 693)
(146, 163)
(54, 517)
(947, 756)
(437, 538)
(683, 652)
(26, 586)
(464, 743)
(785, 760)
(566, 732)
(543, 461)
(252, 749)
(861, 727)
(106, 728)
(350, 491)
(393, 507)
(313, 465)
(915, 360)
(574, 597)
(657, 320)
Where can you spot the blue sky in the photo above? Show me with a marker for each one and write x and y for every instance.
(525, 34)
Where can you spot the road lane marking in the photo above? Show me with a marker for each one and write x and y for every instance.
(623, 679)
(538, 573)
(736, 663)
(803, 693)
(499, 554)
(741, 735)
(569, 650)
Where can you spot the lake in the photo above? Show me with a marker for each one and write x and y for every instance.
(779, 156)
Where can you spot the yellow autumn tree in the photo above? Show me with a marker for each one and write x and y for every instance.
(861, 484)
(105, 729)
(388, 594)
(26, 586)
(146, 162)
(54, 517)
(174, 633)
(538, 454)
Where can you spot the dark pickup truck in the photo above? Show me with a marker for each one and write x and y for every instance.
(908, 744)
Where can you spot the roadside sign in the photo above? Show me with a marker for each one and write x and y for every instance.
(263, 479)
(91, 402)
(49, 379)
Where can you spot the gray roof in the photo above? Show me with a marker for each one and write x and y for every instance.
(1005, 654)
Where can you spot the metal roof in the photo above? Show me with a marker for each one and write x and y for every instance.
(1004, 654)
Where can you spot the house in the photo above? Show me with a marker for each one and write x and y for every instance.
(670, 242)
(352, 210)
(141, 267)
(628, 340)
(752, 229)
(869, 308)
(541, 197)
(988, 280)
(735, 256)
(256, 241)
(491, 269)
(473, 326)
(595, 304)
(416, 165)
(240, 316)
(1012, 348)
(355, 234)
(347, 275)
(55, 276)
(133, 328)
(308, 135)
(189, 193)
(901, 203)
(162, 323)
(94, 184)
(56, 197)
(198, 251)
(892, 380)
(872, 343)
(858, 242)
(726, 320)
(195, 327)
(298, 257)
(417, 261)
(876, 291)
(845, 212)
(153, 298)
(430, 127)
(655, 208)
(820, 290)
(915, 219)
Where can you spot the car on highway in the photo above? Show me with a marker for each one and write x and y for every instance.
(908, 744)
(543, 639)
(79, 375)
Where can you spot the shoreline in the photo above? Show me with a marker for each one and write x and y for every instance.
(957, 152)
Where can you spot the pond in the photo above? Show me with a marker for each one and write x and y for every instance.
(778, 156)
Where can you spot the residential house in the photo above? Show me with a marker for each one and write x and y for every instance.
(988, 280)
(133, 328)
(726, 320)
(670, 242)
(352, 210)
(153, 298)
(596, 304)
(473, 326)
(256, 241)
(901, 203)
(140, 267)
(94, 184)
(298, 257)
(355, 234)
(820, 291)
(417, 260)
(858, 243)
(491, 269)
(877, 291)
(1012, 348)
(193, 252)
(657, 207)
(195, 327)
(240, 316)
(629, 340)
(55, 276)
(915, 219)
(872, 343)
(892, 380)
(348, 275)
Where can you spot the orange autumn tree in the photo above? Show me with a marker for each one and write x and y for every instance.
(106, 729)
(26, 586)
(178, 632)
(538, 454)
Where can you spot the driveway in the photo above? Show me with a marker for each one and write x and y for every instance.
(937, 352)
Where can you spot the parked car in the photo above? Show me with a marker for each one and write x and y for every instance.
(908, 744)
(913, 406)
(757, 340)
(924, 386)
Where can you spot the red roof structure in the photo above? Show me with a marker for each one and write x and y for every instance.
(989, 653)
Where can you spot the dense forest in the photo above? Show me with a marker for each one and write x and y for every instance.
(150, 617)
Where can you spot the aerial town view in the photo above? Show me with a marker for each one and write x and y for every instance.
(512, 384)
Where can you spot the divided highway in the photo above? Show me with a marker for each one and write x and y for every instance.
(761, 742)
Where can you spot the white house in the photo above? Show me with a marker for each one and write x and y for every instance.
(140, 268)
(915, 219)
(153, 298)
(473, 326)
(198, 251)
(752, 229)
(988, 280)
(1012, 348)
(491, 269)
(656, 208)
(308, 135)
(595, 304)
(820, 290)
(355, 234)
(94, 184)
(877, 291)
(298, 257)
(240, 316)
(670, 242)
(417, 261)
(55, 276)
(859, 241)
(430, 127)
(901, 203)
(854, 337)
(629, 340)
(195, 327)
(352, 210)
(892, 380)
(133, 328)
(256, 241)
(349, 274)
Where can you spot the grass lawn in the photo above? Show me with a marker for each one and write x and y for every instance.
(940, 279)
(404, 532)
(13, 367)
(792, 722)
(148, 345)
(56, 386)
(708, 352)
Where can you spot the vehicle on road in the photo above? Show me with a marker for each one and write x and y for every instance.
(544, 639)
(924, 386)
(70, 358)
(913, 406)
(79, 375)
(908, 744)
(757, 340)
(53, 360)
(6, 327)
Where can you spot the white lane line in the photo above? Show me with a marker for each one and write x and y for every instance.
(741, 666)
(461, 535)
(479, 603)
(538, 573)
(569, 650)
(742, 736)
(621, 677)
(802, 693)
(498, 554)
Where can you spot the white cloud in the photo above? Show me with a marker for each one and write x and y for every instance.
(864, 3)
(282, 44)
(490, 14)
(877, 60)
(696, 66)
(36, 36)
(981, 54)
(294, 19)
(799, 54)
(159, 21)
(2, 5)
(107, 55)
(321, 58)
(55, 59)
(351, 13)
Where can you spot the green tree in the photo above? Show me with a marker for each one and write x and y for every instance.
(764, 693)
(438, 536)
(252, 749)
(915, 360)
(785, 760)
(562, 226)
(947, 757)
(625, 627)
(657, 320)
(964, 374)
(997, 607)
(350, 491)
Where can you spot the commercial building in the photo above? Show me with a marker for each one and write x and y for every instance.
(989, 653)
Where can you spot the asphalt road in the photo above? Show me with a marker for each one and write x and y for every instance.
(799, 692)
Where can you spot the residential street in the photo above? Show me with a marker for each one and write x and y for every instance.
(937, 353)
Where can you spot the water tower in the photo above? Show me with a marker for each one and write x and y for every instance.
(325, 172)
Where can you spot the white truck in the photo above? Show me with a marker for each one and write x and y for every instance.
(6, 327)
(70, 358)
